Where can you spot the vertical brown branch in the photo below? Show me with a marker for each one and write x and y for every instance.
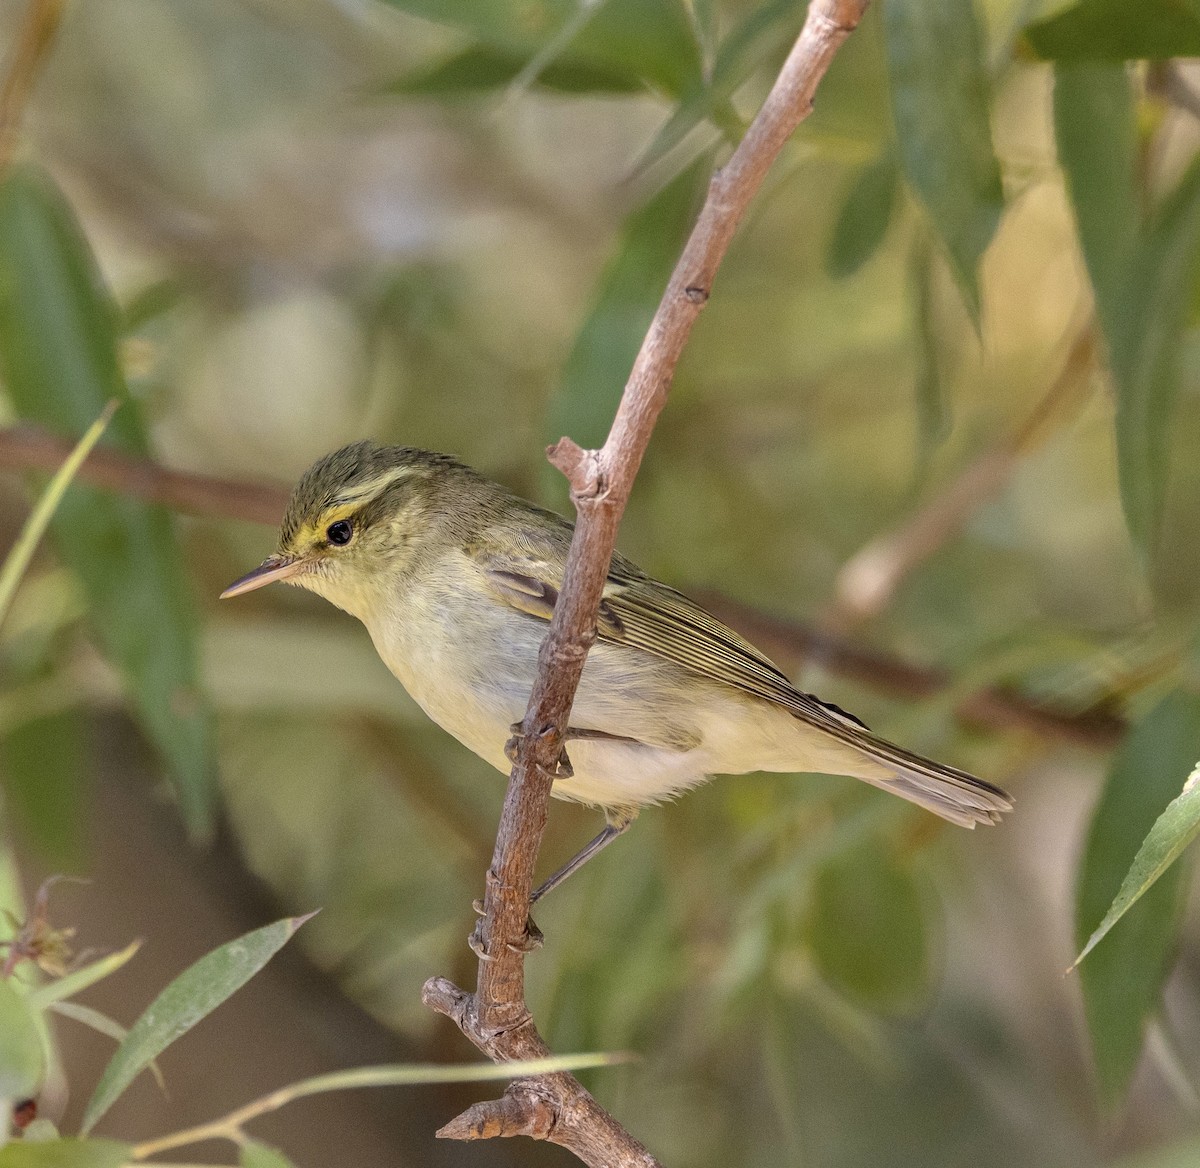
(495, 1017)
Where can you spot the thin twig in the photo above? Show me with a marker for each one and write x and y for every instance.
(232, 1125)
(31, 448)
(871, 577)
(37, 31)
(496, 1017)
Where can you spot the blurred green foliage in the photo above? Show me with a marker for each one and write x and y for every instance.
(446, 223)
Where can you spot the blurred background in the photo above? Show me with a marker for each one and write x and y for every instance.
(894, 456)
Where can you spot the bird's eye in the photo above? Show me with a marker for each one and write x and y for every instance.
(340, 532)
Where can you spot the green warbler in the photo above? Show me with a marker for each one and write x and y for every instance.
(456, 580)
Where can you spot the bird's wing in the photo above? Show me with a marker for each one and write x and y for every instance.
(644, 614)
(647, 615)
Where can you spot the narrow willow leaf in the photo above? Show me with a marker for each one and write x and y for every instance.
(79, 980)
(418, 1074)
(22, 1059)
(1096, 133)
(656, 38)
(482, 69)
(65, 1153)
(1143, 275)
(940, 108)
(92, 1019)
(929, 390)
(42, 763)
(1145, 348)
(1122, 979)
(751, 42)
(868, 929)
(863, 220)
(1116, 30)
(58, 358)
(650, 39)
(193, 995)
(1172, 832)
(256, 1155)
(102, 1024)
(18, 559)
(628, 293)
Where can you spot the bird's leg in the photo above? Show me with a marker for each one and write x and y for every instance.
(619, 821)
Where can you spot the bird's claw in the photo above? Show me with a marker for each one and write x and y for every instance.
(563, 768)
(475, 942)
(533, 939)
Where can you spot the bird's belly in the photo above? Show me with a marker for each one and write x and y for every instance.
(477, 696)
(473, 666)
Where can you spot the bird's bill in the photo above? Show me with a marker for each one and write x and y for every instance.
(271, 569)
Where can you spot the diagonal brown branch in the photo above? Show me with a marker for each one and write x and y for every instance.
(32, 448)
(871, 577)
(495, 1017)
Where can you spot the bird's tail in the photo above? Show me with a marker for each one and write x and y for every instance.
(953, 794)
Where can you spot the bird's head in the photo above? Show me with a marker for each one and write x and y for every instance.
(357, 518)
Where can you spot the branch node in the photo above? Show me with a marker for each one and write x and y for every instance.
(520, 1111)
(696, 294)
(444, 997)
(584, 470)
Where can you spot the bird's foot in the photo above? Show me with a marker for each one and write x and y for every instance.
(562, 769)
(532, 939)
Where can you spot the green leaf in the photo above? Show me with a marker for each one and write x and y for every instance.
(18, 559)
(929, 390)
(863, 220)
(740, 53)
(256, 1155)
(1145, 344)
(940, 108)
(650, 39)
(22, 1058)
(868, 929)
(423, 1074)
(1143, 274)
(58, 358)
(42, 763)
(1097, 147)
(1122, 979)
(102, 1024)
(483, 68)
(1172, 832)
(628, 293)
(78, 980)
(92, 1019)
(67, 1153)
(1116, 30)
(193, 995)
